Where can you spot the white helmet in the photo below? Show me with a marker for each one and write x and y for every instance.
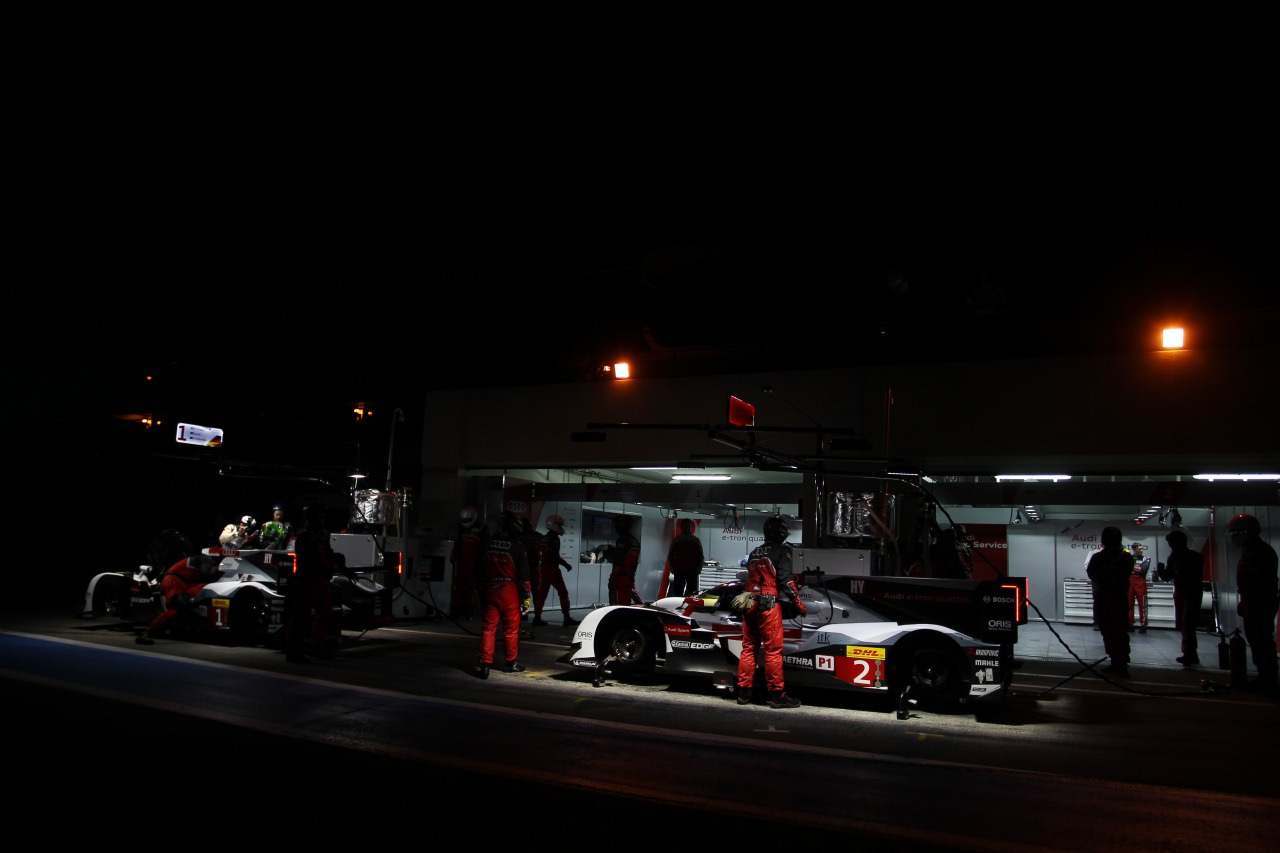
(249, 520)
(556, 525)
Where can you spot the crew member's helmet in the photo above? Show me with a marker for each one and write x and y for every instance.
(248, 520)
(1245, 524)
(468, 516)
(775, 529)
(556, 524)
(622, 523)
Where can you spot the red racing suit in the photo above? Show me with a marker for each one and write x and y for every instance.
(468, 545)
(182, 578)
(1138, 591)
(622, 580)
(309, 593)
(548, 574)
(504, 580)
(768, 572)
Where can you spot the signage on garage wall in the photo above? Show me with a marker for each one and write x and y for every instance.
(204, 436)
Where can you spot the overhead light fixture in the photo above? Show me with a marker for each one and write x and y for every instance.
(654, 468)
(1212, 477)
(694, 477)
(1147, 514)
(1032, 478)
(1171, 338)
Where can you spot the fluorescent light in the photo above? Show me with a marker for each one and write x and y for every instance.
(657, 468)
(690, 477)
(1212, 477)
(1032, 478)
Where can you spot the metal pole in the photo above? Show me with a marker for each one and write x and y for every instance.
(396, 418)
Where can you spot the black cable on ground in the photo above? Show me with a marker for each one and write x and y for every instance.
(1207, 688)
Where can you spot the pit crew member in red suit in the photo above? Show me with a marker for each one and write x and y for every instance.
(625, 558)
(535, 550)
(468, 544)
(309, 594)
(550, 575)
(504, 593)
(1138, 586)
(769, 580)
(685, 558)
(183, 580)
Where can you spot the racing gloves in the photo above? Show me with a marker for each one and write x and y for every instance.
(795, 597)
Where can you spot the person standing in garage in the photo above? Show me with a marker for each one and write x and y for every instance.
(685, 559)
(1109, 570)
(468, 545)
(625, 558)
(504, 593)
(550, 573)
(1138, 586)
(769, 578)
(1256, 574)
(1186, 568)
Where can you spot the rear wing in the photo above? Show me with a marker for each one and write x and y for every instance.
(989, 610)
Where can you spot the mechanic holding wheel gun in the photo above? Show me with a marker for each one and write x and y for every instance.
(181, 581)
(504, 593)
(768, 574)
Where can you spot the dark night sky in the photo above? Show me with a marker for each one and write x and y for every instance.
(268, 275)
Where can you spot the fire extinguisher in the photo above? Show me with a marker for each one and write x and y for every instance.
(1239, 661)
(1224, 651)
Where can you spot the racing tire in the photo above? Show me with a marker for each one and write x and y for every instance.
(250, 619)
(632, 647)
(111, 598)
(933, 671)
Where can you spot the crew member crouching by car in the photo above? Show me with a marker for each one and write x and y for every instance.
(180, 583)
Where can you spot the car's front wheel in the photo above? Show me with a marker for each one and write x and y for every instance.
(110, 598)
(630, 648)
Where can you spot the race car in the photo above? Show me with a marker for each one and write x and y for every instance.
(844, 642)
(244, 603)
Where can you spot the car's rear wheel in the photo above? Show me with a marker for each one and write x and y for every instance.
(932, 671)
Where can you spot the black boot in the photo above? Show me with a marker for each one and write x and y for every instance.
(537, 621)
(782, 700)
(481, 671)
(569, 621)
(513, 666)
(744, 695)
(144, 639)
